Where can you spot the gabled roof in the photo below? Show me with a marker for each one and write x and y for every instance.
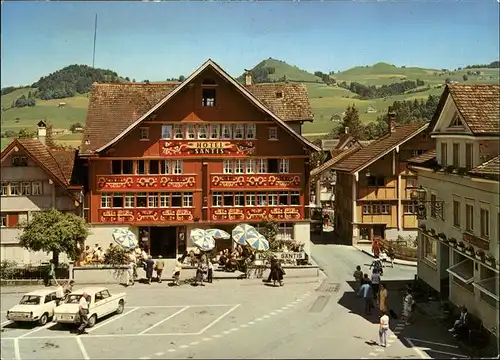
(337, 156)
(379, 148)
(116, 109)
(423, 158)
(489, 169)
(478, 105)
(57, 163)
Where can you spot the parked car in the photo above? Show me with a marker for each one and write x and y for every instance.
(102, 303)
(36, 306)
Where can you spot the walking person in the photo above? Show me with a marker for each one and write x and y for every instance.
(408, 303)
(52, 274)
(201, 271)
(83, 311)
(159, 266)
(375, 284)
(210, 274)
(367, 294)
(132, 268)
(382, 299)
(177, 271)
(383, 329)
(358, 277)
(149, 266)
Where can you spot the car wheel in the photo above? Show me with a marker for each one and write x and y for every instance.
(92, 321)
(121, 306)
(43, 320)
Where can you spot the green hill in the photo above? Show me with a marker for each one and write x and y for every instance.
(272, 70)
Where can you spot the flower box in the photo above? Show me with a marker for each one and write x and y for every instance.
(461, 246)
(469, 252)
(442, 236)
(488, 262)
(452, 242)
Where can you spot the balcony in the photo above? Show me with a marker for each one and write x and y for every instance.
(281, 213)
(259, 181)
(377, 193)
(146, 216)
(145, 182)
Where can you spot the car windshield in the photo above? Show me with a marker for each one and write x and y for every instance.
(73, 299)
(30, 300)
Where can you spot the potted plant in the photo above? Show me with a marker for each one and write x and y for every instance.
(442, 236)
(452, 242)
(469, 250)
(461, 246)
(422, 227)
(489, 260)
(479, 255)
(432, 232)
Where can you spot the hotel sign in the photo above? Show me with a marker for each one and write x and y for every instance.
(283, 256)
(140, 182)
(145, 215)
(211, 148)
(282, 213)
(277, 181)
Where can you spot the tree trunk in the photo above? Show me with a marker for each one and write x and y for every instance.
(55, 258)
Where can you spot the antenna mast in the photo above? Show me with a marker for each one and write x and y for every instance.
(95, 34)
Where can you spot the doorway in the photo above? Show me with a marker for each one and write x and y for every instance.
(379, 231)
(163, 240)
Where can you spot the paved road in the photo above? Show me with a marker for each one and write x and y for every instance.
(307, 318)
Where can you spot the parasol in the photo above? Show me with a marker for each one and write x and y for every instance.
(202, 240)
(244, 233)
(219, 234)
(125, 238)
(260, 243)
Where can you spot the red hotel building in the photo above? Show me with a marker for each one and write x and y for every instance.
(208, 152)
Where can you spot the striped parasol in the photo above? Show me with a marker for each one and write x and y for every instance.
(125, 238)
(259, 244)
(202, 240)
(244, 233)
(219, 234)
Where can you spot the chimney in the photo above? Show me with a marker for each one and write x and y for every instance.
(391, 121)
(346, 129)
(248, 77)
(42, 132)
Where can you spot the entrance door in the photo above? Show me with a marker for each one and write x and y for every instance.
(379, 231)
(163, 241)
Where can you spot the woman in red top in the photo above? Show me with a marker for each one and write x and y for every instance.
(376, 248)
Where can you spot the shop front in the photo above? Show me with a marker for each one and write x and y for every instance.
(167, 241)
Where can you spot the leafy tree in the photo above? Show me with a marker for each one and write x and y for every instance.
(25, 134)
(351, 120)
(49, 138)
(270, 231)
(465, 77)
(447, 80)
(182, 78)
(75, 126)
(54, 231)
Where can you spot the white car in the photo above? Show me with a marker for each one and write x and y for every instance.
(102, 303)
(36, 306)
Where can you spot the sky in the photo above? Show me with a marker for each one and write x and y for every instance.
(160, 40)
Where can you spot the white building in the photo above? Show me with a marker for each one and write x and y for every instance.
(459, 233)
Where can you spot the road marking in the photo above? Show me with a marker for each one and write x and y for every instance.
(273, 313)
(243, 325)
(284, 308)
(234, 329)
(145, 358)
(99, 336)
(266, 316)
(177, 306)
(162, 321)
(279, 310)
(112, 319)
(373, 354)
(391, 341)
(17, 353)
(218, 319)
(397, 332)
(258, 319)
(195, 343)
(37, 329)
(433, 343)
(216, 336)
(207, 339)
(184, 346)
(8, 322)
(418, 351)
(159, 354)
(171, 350)
(82, 348)
(226, 332)
(379, 349)
(251, 323)
(442, 352)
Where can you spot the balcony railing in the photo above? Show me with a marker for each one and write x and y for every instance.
(161, 215)
(281, 213)
(145, 182)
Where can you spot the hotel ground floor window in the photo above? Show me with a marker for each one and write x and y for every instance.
(285, 231)
(488, 286)
(462, 271)
(364, 233)
(429, 248)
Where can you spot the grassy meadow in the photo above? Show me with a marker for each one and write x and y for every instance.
(326, 100)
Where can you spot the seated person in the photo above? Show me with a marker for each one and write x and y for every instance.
(222, 259)
(460, 325)
(232, 264)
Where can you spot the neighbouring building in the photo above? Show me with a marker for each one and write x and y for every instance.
(373, 185)
(209, 152)
(34, 178)
(459, 182)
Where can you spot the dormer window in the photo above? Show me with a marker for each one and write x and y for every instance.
(456, 122)
(19, 161)
(208, 97)
(209, 82)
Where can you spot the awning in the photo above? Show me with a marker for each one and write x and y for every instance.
(464, 271)
(489, 286)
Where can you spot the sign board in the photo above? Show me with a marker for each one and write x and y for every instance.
(284, 256)
(210, 147)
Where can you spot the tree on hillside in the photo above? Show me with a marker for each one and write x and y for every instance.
(75, 126)
(54, 232)
(465, 77)
(182, 78)
(25, 134)
(351, 120)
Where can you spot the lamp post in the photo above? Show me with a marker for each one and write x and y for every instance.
(419, 195)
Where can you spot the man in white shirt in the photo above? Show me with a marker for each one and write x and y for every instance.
(83, 311)
(383, 328)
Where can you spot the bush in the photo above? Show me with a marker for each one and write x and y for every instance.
(8, 269)
(117, 255)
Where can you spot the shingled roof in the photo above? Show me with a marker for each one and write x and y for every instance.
(337, 156)
(114, 108)
(423, 158)
(380, 147)
(58, 163)
(479, 106)
(489, 169)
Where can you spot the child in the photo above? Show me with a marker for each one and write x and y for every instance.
(210, 271)
(383, 329)
(358, 277)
